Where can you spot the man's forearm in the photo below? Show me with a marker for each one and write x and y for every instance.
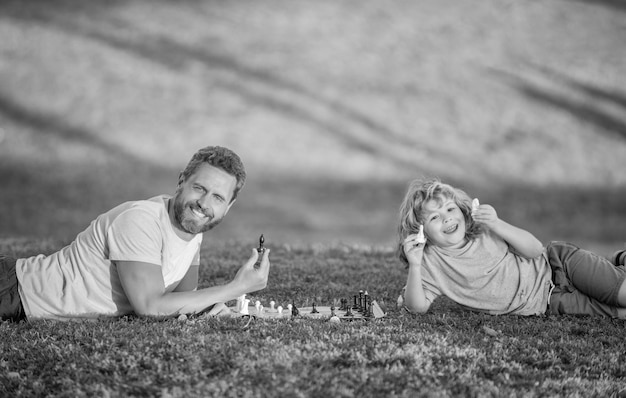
(175, 303)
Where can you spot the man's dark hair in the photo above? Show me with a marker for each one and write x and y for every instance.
(219, 157)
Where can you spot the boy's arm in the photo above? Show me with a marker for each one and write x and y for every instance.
(524, 243)
(414, 297)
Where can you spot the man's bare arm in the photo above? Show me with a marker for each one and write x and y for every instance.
(189, 281)
(145, 289)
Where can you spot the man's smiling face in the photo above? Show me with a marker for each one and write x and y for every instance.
(202, 201)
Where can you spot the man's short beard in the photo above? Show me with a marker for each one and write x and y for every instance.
(190, 227)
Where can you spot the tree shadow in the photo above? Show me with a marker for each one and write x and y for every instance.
(260, 87)
(619, 5)
(45, 123)
(585, 110)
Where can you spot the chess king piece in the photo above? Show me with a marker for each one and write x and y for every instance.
(294, 310)
(260, 250)
(244, 307)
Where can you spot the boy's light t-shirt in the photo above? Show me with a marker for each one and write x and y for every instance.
(81, 279)
(486, 275)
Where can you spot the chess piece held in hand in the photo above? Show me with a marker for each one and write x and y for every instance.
(421, 238)
(260, 250)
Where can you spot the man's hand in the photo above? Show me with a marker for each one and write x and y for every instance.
(219, 309)
(250, 279)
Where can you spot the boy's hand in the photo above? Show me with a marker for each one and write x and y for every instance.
(485, 214)
(413, 247)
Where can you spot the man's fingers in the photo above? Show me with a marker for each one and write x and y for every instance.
(219, 309)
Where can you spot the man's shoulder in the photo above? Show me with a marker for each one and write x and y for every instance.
(155, 205)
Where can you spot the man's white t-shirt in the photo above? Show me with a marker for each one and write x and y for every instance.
(81, 280)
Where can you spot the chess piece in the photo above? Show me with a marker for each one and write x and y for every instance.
(257, 304)
(289, 307)
(260, 250)
(360, 301)
(280, 309)
(244, 307)
(240, 300)
(349, 312)
(314, 309)
(400, 301)
(259, 311)
(420, 235)
(377, 312)
(475, 205)
(294, 310)
(366, 299)
(272, 304)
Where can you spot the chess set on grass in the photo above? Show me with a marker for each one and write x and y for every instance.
(361, 307)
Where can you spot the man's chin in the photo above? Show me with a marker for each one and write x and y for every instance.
(194, 228)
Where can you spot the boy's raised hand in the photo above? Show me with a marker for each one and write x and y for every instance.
(413, 246)
(484, 214)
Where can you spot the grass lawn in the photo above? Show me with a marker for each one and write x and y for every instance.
(447, 352)
(334, 107)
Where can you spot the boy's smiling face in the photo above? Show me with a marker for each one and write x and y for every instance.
(444, 223)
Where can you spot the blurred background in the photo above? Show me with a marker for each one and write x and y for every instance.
(334, 106)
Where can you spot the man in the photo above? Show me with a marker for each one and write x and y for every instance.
(140, 257)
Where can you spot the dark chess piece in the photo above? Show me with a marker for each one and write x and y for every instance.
(349, 311)
(314, 309)
(294, 310)
(260, 250)
(332, 311)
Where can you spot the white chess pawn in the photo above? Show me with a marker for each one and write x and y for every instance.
(257, 304)
(259, 310)
(272, 304)
(475, 204)
(289, 307)
(280, 309)
(400, 301)
(420, 235)
(244, 307)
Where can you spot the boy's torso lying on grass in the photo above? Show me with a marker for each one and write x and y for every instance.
(485, 275)
(80, 280)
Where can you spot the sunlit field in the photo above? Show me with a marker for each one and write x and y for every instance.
(334, 107)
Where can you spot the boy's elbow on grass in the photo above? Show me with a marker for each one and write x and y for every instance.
(417, 308)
